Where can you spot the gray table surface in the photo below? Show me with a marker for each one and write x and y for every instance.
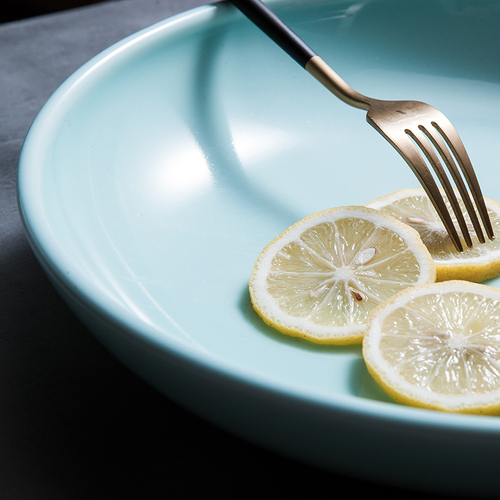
(75, 423)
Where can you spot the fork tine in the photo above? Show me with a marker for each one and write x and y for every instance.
(434, 135)
(450, 135)
(408, 150)
(424, 145)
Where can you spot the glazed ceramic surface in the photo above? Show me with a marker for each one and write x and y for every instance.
(152, 179)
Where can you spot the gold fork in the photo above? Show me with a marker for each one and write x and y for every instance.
(415, 129)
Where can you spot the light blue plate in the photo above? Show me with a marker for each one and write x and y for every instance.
(152, 179)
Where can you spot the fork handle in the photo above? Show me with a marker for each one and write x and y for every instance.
(275, 29)
(295, 47)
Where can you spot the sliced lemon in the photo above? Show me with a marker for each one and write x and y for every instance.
(321, 277)
(438, 347)
(477, 263)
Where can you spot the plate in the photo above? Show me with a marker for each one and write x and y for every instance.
(154, 176)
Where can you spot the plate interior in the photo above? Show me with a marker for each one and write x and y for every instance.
(174, 158)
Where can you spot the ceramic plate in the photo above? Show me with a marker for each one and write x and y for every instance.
(152, 179)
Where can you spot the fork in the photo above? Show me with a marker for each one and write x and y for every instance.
(416, 130)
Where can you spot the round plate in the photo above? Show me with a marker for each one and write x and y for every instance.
(154, 176)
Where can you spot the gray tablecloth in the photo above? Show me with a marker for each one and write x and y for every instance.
(74, 423)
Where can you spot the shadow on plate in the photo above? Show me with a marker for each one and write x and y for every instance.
(362, 383)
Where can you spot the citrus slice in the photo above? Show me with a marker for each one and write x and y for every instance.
(476, 263)
(438, 346)
(321, 277)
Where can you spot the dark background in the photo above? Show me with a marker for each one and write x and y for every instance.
(13, 10)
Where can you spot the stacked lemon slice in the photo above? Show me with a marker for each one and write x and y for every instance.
(477, 263)
(367, 274)
(321, 277)
(438, 347)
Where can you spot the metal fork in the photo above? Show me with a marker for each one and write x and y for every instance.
(415, 129)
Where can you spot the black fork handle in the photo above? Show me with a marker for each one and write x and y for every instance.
(283, 36)
(275, 29)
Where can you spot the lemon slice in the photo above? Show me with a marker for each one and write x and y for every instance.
(438, 347)
(321, 277)
(476, 263)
